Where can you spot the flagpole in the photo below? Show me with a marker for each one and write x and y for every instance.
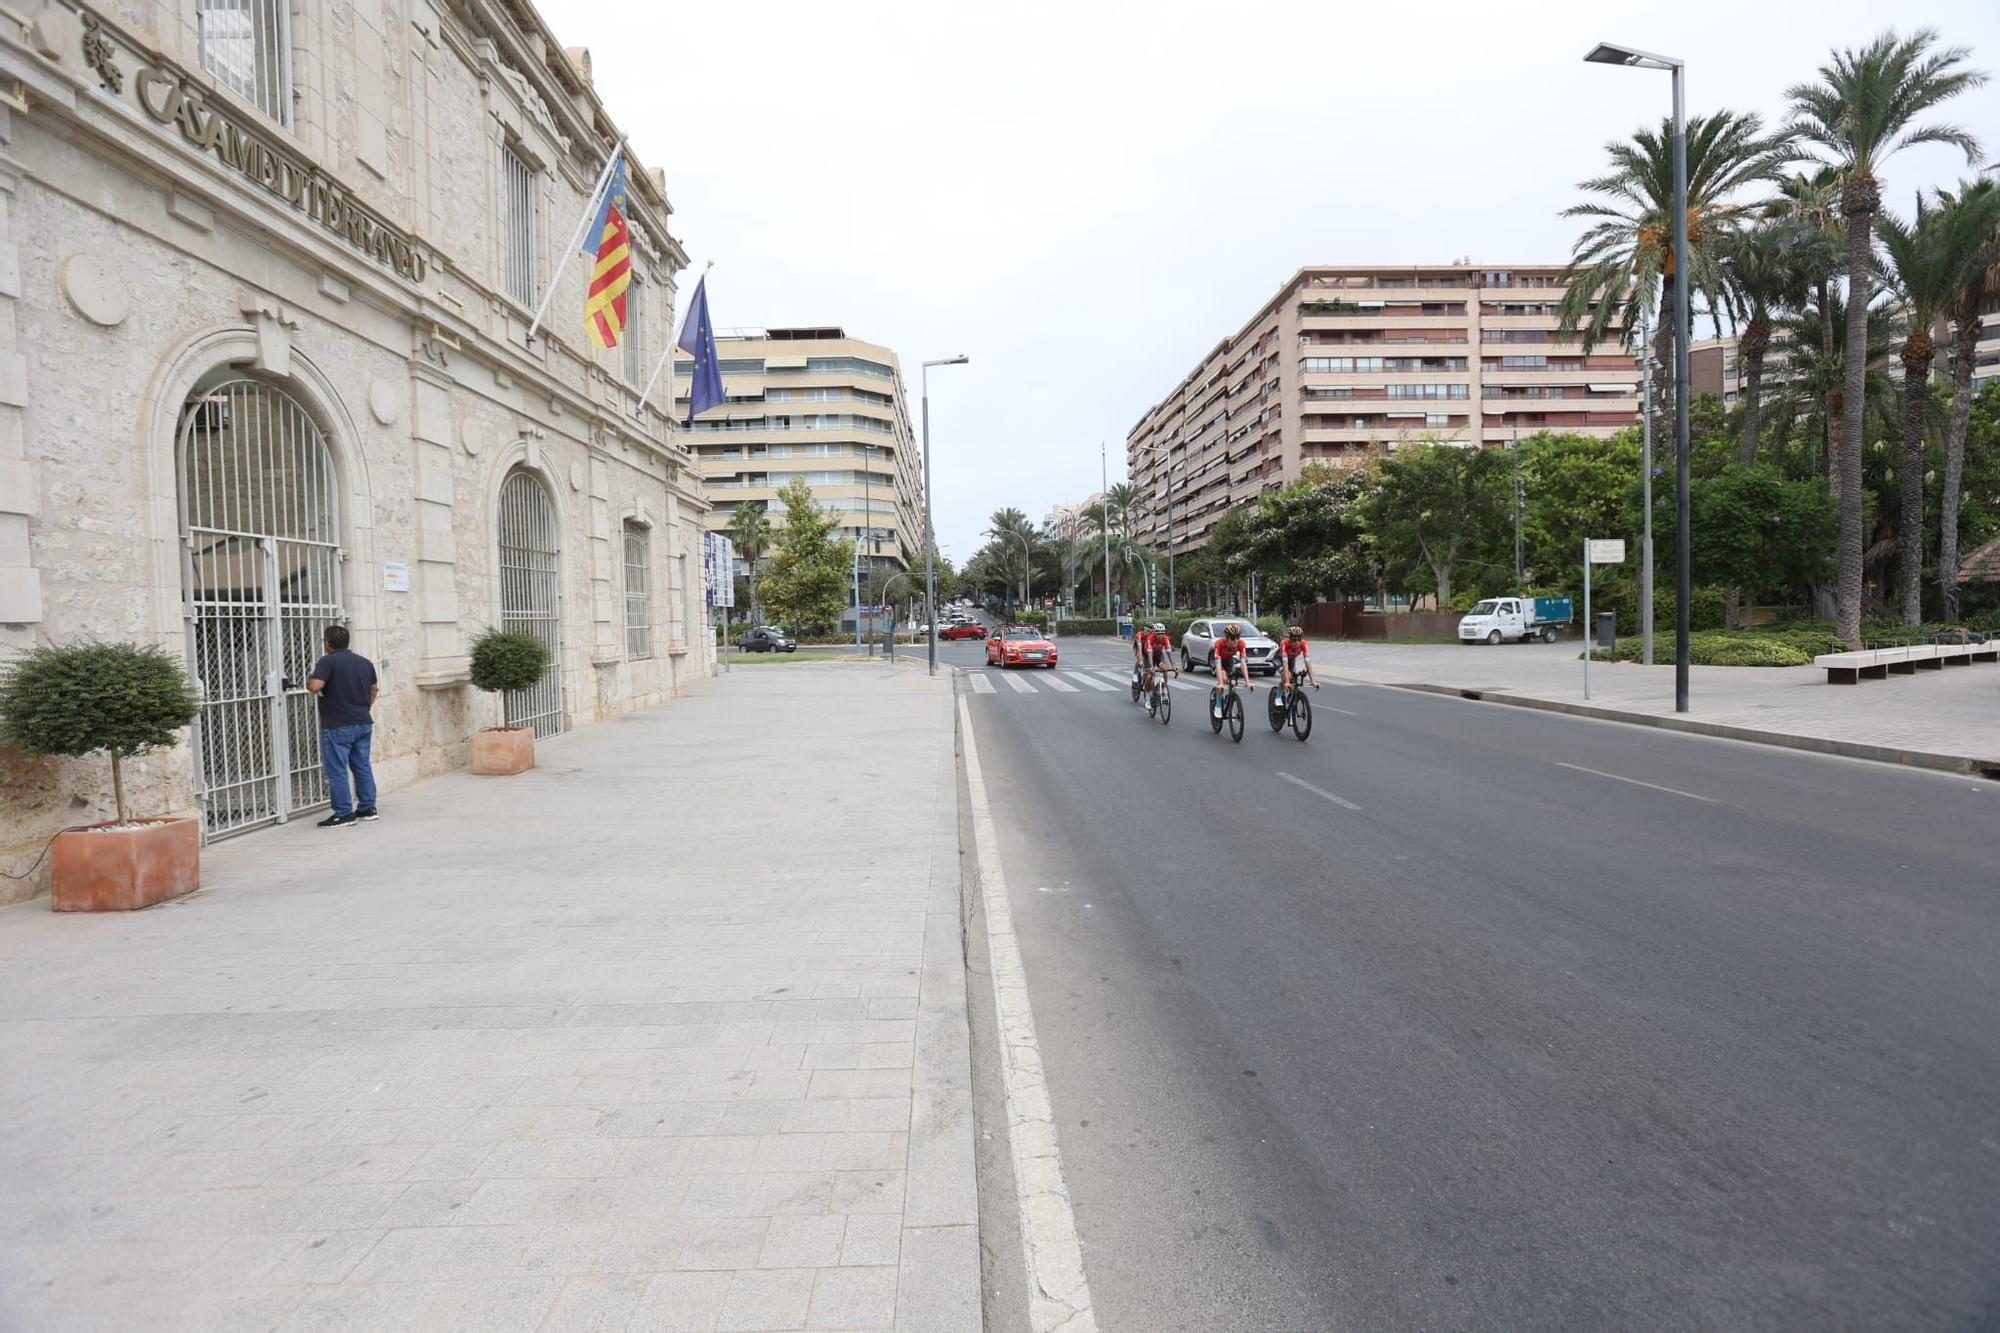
(661, 364)
(576, 237)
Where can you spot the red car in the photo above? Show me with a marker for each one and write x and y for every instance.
(1020, 645)
(962, 632)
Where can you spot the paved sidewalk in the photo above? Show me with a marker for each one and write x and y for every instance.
(668, 1033)
(1944, 719)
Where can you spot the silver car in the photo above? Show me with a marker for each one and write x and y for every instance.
(1198, 645)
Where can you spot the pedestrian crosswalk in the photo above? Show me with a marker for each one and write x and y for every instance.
(982, 681)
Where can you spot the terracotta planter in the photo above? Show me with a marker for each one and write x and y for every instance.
(110, 869)
(501, 752)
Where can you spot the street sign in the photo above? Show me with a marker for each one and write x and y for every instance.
(1603, 551)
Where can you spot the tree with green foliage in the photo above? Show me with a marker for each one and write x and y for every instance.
(1307, 542)
(1575, 487)
(1865, 107)
(78, 699)
(504, 660)
(1980, 290)
(1767, 268)
(1439, 507)
(750, 533)
(1762, 533)
(1931, 258)
(805, 586)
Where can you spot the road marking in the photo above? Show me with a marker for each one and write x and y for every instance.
(1181, 683)
(1018, 685)
(1091, 681)
(1319, 791)
(980, 684)
(1616, 777)
(1058, 684)
(1058, 1292)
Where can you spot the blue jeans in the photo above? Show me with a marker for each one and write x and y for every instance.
(342, 748)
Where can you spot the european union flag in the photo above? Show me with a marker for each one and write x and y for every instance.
(698, 341)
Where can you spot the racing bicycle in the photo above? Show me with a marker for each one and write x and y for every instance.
(1232, 708)
(1290, 707)
(1160, 698)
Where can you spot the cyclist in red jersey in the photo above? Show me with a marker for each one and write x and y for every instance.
(1231, 658)
(1294, 656)
(1154, 651)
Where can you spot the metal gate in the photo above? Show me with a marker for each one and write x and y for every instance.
(531, 594)
(260, 577)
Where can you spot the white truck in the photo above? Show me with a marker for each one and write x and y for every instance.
(1518, 618)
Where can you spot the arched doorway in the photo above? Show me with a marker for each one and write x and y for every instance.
(531, 593)
(260, 578)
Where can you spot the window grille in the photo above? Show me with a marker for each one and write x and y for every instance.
(517, 226)
(638, 592)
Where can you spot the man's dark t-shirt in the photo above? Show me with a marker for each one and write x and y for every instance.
(344, 700)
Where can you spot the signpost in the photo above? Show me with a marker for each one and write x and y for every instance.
(1596, 551)
(718, 578)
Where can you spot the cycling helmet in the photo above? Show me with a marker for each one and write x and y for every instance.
(1159, 627)
(1295, 632)
(1232, 630)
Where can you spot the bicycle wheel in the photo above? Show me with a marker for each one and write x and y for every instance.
(1215, 718)
(1302, 716)
(1135, 687)
(1164, 710)
(1274, 710)
(1235, 719)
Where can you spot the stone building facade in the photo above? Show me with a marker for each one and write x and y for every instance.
(267, 268)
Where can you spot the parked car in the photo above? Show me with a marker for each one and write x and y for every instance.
(766, 639)
(968, 630)
(1020, 645)
(1517, 618)
(1198, 645)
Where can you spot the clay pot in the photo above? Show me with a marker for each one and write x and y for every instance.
(501, 752)
(112, 869)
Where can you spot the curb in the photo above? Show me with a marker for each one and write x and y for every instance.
(938, 1282)
(1881, 754)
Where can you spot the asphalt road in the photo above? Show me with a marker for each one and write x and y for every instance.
(1442, 1020)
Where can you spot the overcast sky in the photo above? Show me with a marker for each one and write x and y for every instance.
(1084, 197)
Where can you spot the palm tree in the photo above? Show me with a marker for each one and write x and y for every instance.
(1931, 258)
(1980, 288)
(1768, 268)
(1011, 528)
(1862, 111)
(1812, 199)
(750, 533)
(1626, 254)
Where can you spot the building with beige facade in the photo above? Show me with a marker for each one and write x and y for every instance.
(1346, 361)
(818, 404)
(268, 270)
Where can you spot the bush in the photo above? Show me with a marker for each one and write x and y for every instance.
(1734, 648)
(1039, 619)
(1077, 627)
(79, 699)
(507, 660)
(1705, 608)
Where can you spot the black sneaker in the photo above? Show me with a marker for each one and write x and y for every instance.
(367, 812)
(336, 821)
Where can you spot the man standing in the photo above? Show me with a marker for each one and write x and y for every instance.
(346, 686)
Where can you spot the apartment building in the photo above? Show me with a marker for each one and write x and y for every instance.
(1344, 362)
(817, 404)
(264, 368)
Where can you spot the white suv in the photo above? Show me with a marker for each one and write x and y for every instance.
(1198, 645)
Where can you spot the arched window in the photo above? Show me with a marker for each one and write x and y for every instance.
(531, 593)
(260, 570)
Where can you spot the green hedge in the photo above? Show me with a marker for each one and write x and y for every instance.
(1078, 627)
(1705, 608)
(1742, 649)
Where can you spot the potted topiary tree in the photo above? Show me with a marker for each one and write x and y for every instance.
(505, 660)
(77, 700)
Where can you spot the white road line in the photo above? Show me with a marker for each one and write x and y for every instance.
(1183, 683)
(1018, 685)
(1058, 684)
(1058, 1292)
(1616, 777)
(1091, 681)
(981, 684)
(1319, 791)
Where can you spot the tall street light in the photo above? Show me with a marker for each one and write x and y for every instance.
(1604, 53)
(930, 534)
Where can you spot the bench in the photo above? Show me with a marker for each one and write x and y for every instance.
(1850, 668)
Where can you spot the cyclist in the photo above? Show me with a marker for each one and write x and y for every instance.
(1153, 653)
(1294, 656)
(1231, 658)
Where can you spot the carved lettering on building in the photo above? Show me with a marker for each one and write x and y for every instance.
(172, 101)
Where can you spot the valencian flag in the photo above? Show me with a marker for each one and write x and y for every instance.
(610, 243)
(698, 341)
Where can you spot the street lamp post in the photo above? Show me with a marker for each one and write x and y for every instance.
(1514, 448)
(1646, 494)
(1604, 53)
(930, 534)
(1027, 567)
